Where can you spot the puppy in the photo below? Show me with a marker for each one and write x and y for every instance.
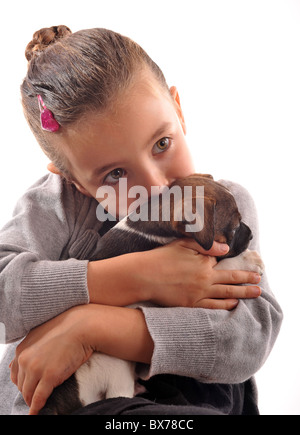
(218, 219)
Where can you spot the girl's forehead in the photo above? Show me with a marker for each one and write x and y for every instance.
(135, 120)
(143, 102)
(142, 86)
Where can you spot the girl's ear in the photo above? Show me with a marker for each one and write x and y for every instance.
(175, 95)
(52, 168)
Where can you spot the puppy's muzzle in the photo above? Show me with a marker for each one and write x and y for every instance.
(240, 241)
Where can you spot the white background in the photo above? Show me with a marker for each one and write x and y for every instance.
(236, 65)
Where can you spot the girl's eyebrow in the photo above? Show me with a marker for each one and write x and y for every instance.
(156, 135)
(160, 131)
(98, 171)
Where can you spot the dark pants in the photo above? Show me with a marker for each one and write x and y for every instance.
(176, 395)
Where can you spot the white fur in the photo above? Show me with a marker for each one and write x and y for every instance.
(104, 377)
(247, 260)
(122, 225)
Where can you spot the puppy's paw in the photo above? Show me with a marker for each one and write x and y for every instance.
(252, 261)
(247, 260)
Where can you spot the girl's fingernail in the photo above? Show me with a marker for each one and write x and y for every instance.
(224, 248)
(234, 303)
(256, 291)
(257, 278)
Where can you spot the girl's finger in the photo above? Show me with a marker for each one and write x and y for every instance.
(29, 386)
(217, 249)
(217, 304)
(21, 377)
(235, 292)
(40, 396)
(14, 368)
(236, 277)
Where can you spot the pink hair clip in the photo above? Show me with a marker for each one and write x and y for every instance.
(48, 121)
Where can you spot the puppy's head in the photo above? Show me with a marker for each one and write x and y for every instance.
(221, 220)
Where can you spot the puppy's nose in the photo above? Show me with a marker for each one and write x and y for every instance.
(247, 231)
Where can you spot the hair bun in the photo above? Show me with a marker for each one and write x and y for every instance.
(45, 37)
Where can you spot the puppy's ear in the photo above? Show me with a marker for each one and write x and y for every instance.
(202, 226)
(205, 176)
(196, 175)
(206, 236)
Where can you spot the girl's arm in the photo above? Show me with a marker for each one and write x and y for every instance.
(180, 274)
(215, 345)
(222, 346)
(38, 279)
(53, 351)
(44, 269)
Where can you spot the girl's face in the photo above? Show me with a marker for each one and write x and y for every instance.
(141, 139)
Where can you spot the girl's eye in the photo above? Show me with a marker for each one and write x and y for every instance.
(114, 176)
(162, 145)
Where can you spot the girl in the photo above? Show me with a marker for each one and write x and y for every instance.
(101, 110)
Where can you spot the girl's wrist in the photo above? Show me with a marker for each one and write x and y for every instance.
(116, 281)
(117, 331)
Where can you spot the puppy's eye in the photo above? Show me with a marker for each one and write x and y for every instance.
(162, 145)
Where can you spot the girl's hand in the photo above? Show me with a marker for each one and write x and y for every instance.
(173, 275)
(49, 355)
(179, 274)
(52, 352)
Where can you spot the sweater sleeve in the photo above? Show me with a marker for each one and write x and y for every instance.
(216, 346)
(38, 279)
